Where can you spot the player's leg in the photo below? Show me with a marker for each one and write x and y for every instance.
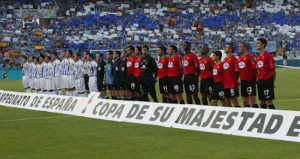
(261, 94)
(179, 90)
(152, 91)
(203, 92)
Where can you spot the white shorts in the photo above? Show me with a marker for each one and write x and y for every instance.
(49, 84)
(57, 83)
(80, 85)
(43, 83)
(26, 82)
(31, 81)
(93, 84)
(69, 81)
(36, 83)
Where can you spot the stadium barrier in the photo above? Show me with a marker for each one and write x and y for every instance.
(10, 74)
(250, 122)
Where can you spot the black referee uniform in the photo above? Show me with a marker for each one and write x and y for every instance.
(148, 77)
(100, 75)
(123, 75)
(116, 74)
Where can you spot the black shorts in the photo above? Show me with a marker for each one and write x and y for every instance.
(124, 83)
(206, 86)
(191, 83)
(86, 81)
(218, 92)
(248, 88)
(110, 87)
(265, 89)
(176, 85)
(101, 86)
(134, 84)
(164, 85)
(231, 93)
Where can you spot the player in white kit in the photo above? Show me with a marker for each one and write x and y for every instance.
(43, 74)
(57, 86)
(68, 71)
(49, 75)
(35, 75)
(30, 77)
(92, 72)
(26, 67)
(79, 76)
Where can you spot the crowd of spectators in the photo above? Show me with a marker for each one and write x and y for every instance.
(113, 24)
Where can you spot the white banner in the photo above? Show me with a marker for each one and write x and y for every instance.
(260, 123)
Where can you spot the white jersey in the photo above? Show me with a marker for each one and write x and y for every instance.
(35, 71)
(49, 70)
(68, 66)
(26, 69)
(56, 68)
(92, 69)
(79, 70)
(39, 71)
(32, 65)
(44, 70)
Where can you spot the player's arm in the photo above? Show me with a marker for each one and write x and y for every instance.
(253, 67)
(272, 67)
(180, 66)
(236, 69)
(154, 67)
(104, 77)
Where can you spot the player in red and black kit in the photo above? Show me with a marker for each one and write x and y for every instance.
(206, 65)
(190, 64)
(218, 90)
(266, 75)
(162, 74)
(247, 70)
(175, 75)
(130, 70)
(136, 86)
(230, 77)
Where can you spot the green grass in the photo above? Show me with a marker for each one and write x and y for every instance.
(74, 137)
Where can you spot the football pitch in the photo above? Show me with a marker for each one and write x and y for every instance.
(27, 134)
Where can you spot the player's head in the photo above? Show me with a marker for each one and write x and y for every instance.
(204, 49)
(41, 58)
(47, 59)
(130, 50)
(138, 51)
(124, 54)
(217, 55)
(261, 43)
(63, 54)
(77, 56)
(89, 57)
(187, 47)
(85, 54)
(172, 49)
(229, 48)
(161, 50)
(53, 55)
(99, 57)
(116, 55)
(243, 47)
(23, 58)
(145, 50)
(69, 54)
(30, 59)
(109, 55)
(35, 60)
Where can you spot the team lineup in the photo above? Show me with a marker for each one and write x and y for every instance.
(132, 74)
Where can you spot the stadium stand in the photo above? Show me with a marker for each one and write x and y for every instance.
(31, 27)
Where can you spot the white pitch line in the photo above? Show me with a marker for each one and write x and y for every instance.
(52, 117)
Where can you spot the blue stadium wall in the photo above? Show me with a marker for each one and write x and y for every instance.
(10, 74)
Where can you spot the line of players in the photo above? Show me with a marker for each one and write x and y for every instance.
(132, 73)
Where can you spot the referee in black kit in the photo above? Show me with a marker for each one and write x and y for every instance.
(148, 76)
